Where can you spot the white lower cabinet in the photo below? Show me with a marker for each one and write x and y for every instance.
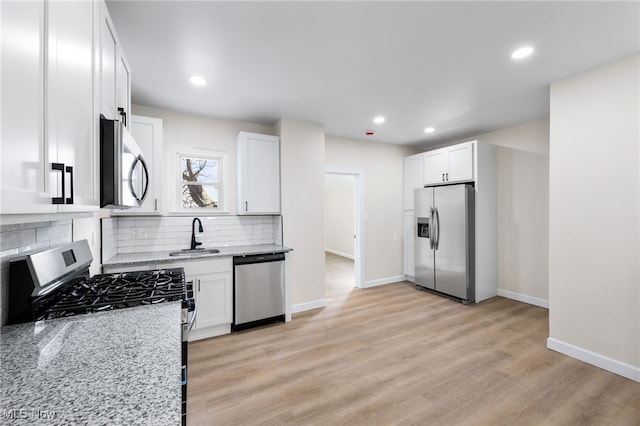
(212, 281)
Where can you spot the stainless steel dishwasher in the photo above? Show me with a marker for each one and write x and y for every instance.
(258, 290)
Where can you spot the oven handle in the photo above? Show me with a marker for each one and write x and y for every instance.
(192, 317)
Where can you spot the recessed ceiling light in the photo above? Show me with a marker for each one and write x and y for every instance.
(378, 120)
(429, 130)
(197, 80)
(522, 53)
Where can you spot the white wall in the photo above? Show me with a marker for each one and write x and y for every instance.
(594, 209)
(383, 204)
(339, 215)
(203, 133)
(523, 210)
(302, 199)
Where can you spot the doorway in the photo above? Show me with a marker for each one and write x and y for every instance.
(343, 230)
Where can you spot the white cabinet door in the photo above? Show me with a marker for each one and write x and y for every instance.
(123, 87)
(213, 299)
(435, 166)
(460, 162)
(115, 74)
(449, 165)
(258, 174)
(24, 185)
(213, 290)
(107, 65)
(413, 178)
(409, 244)
(70, 124)
(147, 132)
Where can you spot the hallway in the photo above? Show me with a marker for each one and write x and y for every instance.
(339, 274)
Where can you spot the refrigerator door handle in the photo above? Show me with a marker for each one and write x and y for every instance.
(431, 228)
(436, 243)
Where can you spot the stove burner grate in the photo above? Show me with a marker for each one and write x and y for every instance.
(113, 291)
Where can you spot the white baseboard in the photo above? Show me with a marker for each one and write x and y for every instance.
(524, 298)
(340, 253)
(410, 278)
(205, 333)
(601, 361)
(307, 306)
(383, 281)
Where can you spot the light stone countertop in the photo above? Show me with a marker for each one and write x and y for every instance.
(141, 258)
(120, 367)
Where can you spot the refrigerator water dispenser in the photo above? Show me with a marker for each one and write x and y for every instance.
(423, 227)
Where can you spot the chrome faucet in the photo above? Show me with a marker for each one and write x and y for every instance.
(195, 243)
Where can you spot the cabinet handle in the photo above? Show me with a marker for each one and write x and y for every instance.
(63, 171)
(198, 285)
(123, 115)
(443, 177)
(246, 206)
(155, 204)
(69, 169)
(447, 177)
(59, 167)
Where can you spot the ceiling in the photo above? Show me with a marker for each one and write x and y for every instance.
(445, 65)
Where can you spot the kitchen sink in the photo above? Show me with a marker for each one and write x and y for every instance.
(191, 252)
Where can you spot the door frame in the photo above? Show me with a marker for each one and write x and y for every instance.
(358, 261)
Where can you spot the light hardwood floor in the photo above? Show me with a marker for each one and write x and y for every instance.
(394, 355)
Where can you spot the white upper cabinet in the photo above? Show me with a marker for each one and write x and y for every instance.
(70, 125)
(123, 88)
(258, 174)
(25, 168)
(49, 151)
(115, 74)
(147, 132)
(108, 65)
(413, 178)
(448, 165)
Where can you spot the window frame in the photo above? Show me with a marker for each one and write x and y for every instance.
(175, 205)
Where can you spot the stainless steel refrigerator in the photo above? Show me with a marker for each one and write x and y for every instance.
(444, 240)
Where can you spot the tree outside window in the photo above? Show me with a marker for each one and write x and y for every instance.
(200, 180)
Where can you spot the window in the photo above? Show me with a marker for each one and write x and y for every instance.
(200, 181)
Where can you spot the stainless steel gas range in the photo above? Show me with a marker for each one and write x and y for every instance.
(56, 283)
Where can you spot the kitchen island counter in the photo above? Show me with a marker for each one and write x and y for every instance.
(114, 367)
(145, 258)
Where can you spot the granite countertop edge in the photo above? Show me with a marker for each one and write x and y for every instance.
(142, 258)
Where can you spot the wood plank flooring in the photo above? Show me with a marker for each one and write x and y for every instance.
(392, 355)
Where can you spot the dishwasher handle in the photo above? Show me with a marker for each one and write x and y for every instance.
(258, 258)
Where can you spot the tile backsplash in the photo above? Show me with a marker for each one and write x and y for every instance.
(138, 234)
(135, 234)
(16, 240)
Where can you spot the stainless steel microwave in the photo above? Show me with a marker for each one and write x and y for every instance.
(124, 176)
